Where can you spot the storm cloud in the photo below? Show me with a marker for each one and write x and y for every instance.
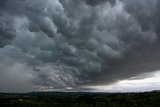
(61, 44)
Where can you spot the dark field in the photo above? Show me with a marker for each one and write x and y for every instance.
(80, 99)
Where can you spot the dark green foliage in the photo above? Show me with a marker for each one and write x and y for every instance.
(64, 99)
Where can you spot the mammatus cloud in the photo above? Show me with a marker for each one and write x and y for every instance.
(61, 44)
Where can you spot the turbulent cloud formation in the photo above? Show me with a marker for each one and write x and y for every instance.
(66, 44)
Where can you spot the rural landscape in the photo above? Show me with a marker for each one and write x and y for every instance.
(80, 99)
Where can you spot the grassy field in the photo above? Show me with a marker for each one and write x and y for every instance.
(80, 99)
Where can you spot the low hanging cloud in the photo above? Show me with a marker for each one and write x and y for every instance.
(71, 43)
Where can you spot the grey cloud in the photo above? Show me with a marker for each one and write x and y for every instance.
(68, 43)
(97, 2)
(145, 14)
(15, 77)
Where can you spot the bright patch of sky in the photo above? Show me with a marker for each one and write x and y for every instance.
(141, 83)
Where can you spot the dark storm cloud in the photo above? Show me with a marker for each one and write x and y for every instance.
(2, 3)
(97, 2)
(70, 43)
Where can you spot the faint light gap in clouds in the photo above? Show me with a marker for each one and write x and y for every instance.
(149, 82)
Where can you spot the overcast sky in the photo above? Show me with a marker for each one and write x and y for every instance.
(79, 45)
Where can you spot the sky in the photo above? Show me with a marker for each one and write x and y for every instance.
(79, 45)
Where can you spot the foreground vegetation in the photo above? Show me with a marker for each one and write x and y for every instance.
(79, 99)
